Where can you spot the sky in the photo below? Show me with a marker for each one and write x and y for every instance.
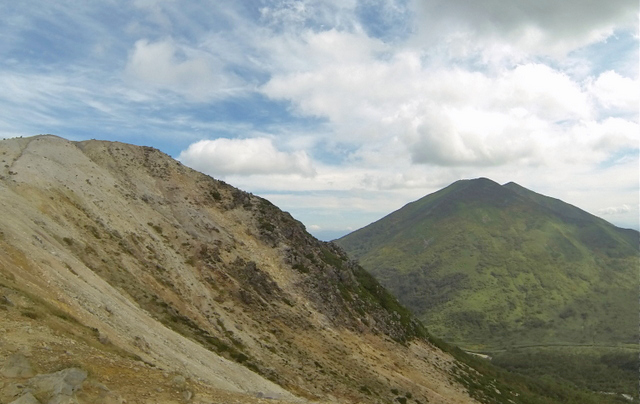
(342, 111)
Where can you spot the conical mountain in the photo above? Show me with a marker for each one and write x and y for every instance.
(486, 266)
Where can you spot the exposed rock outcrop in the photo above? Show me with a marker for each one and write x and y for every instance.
(120, 261)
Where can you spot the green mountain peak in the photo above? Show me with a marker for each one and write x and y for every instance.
(490, 265)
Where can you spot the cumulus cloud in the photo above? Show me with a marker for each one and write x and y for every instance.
(245, 157)
(436, 139)
(547, 92)
(166, 65)
(614, 91)
(442, 116)
(539, 26)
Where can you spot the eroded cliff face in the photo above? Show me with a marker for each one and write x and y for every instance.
(167, 285)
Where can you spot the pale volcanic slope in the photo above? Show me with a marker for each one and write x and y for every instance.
(169, 286)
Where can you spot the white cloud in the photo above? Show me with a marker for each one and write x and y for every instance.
(258, 156)
(442, 116)
(614, 210)
(544, 27)
(194, 74)
(610, 135)
(548, 93)
(614, 91)
(291, 15)
(465, 137)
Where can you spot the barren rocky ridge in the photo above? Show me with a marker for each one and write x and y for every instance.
(165, 285)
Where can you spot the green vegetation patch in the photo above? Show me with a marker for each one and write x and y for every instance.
(600, 369)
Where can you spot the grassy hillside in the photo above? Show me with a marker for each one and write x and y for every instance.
(490, 267)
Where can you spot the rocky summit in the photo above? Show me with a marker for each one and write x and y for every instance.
(126, 277)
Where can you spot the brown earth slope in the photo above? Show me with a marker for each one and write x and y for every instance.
(167, 286)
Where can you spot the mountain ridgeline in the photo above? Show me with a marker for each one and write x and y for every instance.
(145, 258)
(128, 277)
(487, 265)
(544, 288)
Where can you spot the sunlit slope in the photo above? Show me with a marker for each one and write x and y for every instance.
(486, 265)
